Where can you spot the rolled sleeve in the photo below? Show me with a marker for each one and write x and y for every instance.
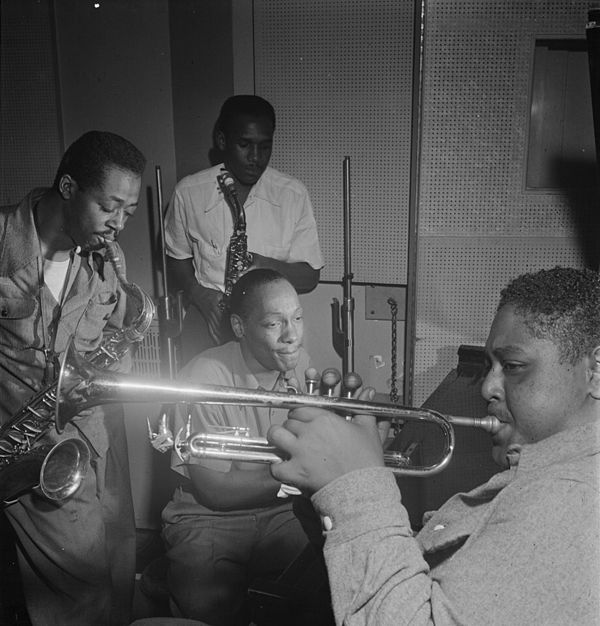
(177, 241)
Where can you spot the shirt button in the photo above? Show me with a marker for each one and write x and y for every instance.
(439, 527)
(327, 523)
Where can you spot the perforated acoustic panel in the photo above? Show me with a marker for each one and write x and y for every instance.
(29, 115)
(479, 227)
(338, 73)
(459, 284)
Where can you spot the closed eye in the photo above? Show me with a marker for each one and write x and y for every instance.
(511, 366)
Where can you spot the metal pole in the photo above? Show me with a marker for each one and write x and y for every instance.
(166, 316)
(413, 205)
(348, 304)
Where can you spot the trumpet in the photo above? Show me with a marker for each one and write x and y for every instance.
(82, 385)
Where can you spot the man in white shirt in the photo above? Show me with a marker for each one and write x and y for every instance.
(281, 228)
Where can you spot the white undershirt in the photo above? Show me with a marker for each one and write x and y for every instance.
(55, 276)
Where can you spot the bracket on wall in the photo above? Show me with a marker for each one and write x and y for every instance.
(377, 306)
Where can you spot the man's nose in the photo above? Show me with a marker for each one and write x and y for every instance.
(491, 387)
(289, 333)
(253, 154)
(117, 220)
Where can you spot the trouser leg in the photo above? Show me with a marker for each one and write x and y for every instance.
(77, 556)
(207, 575)
(62, 557)
(281, 540)
(119, 518)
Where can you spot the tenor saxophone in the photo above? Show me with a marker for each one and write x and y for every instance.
(58, 469)
(238, 257)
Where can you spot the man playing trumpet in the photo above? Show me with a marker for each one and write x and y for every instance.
(523, 548)
(226, 525)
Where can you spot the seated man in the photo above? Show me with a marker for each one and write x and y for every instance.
(226, 525)
(523, 548)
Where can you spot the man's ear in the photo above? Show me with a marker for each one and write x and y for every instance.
(66, 186)
(595, 373)
(220, 140)
(237, 325)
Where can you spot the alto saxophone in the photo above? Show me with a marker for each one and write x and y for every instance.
(59, 468)
(238, 257)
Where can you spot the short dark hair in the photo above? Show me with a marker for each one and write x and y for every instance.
(87, 159)
(561, 304)
(247, 285)
(236, 106)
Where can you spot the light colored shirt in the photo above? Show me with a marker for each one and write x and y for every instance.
(279, 216)
(223, 365)
(524, 548)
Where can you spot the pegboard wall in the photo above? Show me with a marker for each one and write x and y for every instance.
(27, 79)
(460, 280)
(478, 225)
(338, 74)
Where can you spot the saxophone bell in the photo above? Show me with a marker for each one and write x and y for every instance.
(55, 470)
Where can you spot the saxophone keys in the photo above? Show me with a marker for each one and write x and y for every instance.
(5, 448)
(17, 436)
(31, 427)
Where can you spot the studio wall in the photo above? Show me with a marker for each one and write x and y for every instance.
(479, 224)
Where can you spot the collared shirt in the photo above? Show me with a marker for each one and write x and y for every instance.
(279, 215)
(223, 365)
(524, 548)
(31, 319)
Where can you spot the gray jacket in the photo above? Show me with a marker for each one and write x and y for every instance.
(524, 548)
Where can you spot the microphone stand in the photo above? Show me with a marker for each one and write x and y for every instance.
(343, 326)
(171, 326)
(162, 439)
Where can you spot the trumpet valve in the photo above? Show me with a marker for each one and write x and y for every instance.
(330, 378)
(312, 379)
(352, 382)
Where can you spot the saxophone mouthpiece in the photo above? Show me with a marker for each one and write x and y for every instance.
(113, 255)
(226, 180)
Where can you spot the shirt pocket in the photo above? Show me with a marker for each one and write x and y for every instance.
(94, 319)
(210, 256)
(16, 315)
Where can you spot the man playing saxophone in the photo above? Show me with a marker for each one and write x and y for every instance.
(281, 229)
(226, 525)
(76, 557)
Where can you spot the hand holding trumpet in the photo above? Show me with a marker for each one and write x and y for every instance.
(322, 446)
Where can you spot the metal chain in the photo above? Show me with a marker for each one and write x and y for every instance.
(393, 359)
